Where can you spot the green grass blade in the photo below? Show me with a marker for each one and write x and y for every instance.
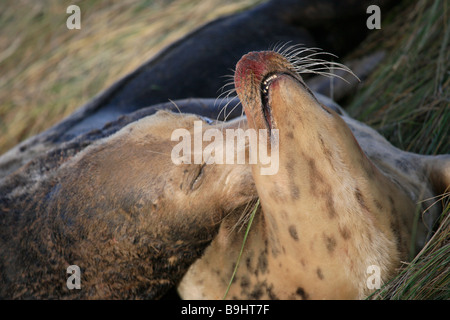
(242, 248)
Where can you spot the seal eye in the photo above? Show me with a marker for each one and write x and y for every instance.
(196, 182)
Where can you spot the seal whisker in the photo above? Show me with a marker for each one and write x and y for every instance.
(230, 78)
(321, 66)
(176, 106)
(227, 97)
(225, 94)
(234, 108)
(322, 62)
(326, 74)
(320, 53)
(295, 54)
(324, 65)
(291, 48)
(281, 46)
(304, 64)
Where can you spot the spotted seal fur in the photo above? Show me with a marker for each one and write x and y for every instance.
(343, 201)
(121, 211)
(112, 202)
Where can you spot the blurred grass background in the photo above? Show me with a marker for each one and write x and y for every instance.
(407, 98)
(47, 71)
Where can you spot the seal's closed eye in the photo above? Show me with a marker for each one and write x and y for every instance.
(198, 177)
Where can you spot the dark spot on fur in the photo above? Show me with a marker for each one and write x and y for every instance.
(276, 193)
(327, 153)
(293, 232)
(391, 200)
(290, 167)
(248, 261)
(271, 222)
(378, 204)
(315, 174)
(290, 135)
(245, 282)
(360, 198)
(295, 192)
(273, 195)
(257, 292)
(260, 289)
(272, 295)
(345, 232)
(330, 243)
(275, 250)
(330, 206)
(402, 164)
(262, 262)
(395, 227)
(320, 274)
(301, 292)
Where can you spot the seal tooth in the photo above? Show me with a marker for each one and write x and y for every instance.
(270, 78)
(267, 81)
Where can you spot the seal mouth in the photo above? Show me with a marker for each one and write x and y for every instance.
(266, 85)
(265, 105)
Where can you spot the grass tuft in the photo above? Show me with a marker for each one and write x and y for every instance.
(407, 99)
(427, 276)
(48, 71)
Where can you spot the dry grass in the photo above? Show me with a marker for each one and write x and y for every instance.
(408, 100)
(427, 276)
(47, 71)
